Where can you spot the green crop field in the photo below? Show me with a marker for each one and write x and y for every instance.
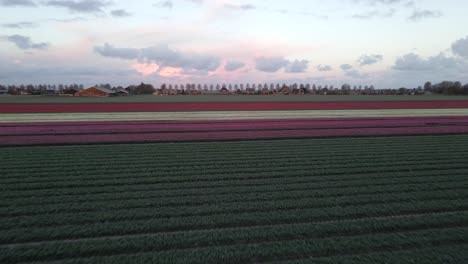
(343, 200)
(225, 98)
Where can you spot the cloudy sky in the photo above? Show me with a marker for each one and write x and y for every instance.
(388, 43)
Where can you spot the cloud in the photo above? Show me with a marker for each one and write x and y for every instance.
(297, 66)
(460, 47)
(369, 59)
(355, 74)
(413, 62)
(233, 65)
(165, 4)
(20, 25)
(274, 64)
(65, 73)
(163, 56)
(196, 1)
(245, 7)
(375, 14)
(422, 14)
(270, 64)
(120, 13)
(25, 43)
(324, 68)
(17, 3)
(123, 53)
(346, 67)
(83, 6)
(386, 2)
(416, 70)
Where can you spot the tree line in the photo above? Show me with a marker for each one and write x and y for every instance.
(445, 88)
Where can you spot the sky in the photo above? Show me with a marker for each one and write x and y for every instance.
(386, 43)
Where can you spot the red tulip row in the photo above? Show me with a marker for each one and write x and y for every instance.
(225, 106)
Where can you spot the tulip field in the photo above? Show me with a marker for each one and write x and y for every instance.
(239, 182)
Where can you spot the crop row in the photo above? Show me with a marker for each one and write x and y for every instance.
(154, 177)
(186, 191)
(305, 155)
(153, 181)
(131, 127)
(447, 254)
(229, 236)
(226, 135)
(67, 126)
(179, 183)
(179, 191)
(192, 169)
(96, 175)
(12, 154)
(114, 212)
(285, 250)
(232, 156)
(216, 106)
(274, 215)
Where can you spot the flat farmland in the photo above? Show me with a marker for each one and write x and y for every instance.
(342, 181)
(224, 98)
(343, 200)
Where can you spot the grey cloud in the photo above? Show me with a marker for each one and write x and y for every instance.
(370, 59)
(84, 6)
(163, 56)
(346, 67)
(123, 53)
(166, 57)
(297, 66)
(120, 13)
(270, 64)
(25, 43)
(375, 14)
(355, 74)
(246, 7)
(324, 68)
(416, 69)
(233, 65)
(20, 25)
(460, 47)
(422, 14)
(165, 4)
(45, 73)
(274, 64)
(17, 3)
(413, 62)
(69, 20)
(386, 2)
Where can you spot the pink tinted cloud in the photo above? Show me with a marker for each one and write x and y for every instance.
(145, 69)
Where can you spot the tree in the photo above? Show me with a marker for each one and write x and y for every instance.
(428, 87)
(144, 89)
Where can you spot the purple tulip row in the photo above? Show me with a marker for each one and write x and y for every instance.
(108, 132)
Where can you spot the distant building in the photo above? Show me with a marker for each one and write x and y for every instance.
(70, 91)
(96, 92)
(3, 92)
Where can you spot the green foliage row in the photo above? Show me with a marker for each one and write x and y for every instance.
(127, 211)
(253, 236)
(236, 160)
(261, 183)
(161, 150)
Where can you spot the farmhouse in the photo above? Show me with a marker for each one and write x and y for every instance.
(96, 92)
